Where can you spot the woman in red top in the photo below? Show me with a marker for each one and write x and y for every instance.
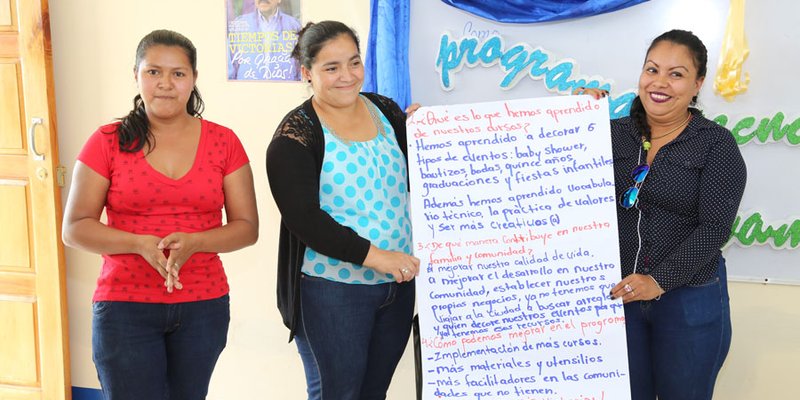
(163, 176)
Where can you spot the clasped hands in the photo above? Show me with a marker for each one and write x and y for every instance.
(179, 246)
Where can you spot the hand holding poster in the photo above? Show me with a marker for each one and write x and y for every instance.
(514, 221)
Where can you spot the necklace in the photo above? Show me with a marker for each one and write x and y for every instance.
(646, 143)
(373, 114)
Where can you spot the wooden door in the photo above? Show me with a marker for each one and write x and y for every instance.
(34, 356)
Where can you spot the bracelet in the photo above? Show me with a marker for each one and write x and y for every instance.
(658, 286)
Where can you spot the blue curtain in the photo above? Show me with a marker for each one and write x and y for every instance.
(386, 64)
(528, 11)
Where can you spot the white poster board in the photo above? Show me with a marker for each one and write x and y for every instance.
(513, 210)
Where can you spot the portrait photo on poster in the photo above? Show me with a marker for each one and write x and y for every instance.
(260, 37)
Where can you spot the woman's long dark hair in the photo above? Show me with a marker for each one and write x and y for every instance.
(700, 57)
(134, 128)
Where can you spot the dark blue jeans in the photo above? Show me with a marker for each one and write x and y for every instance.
(158, 351)
(676, 345)
(351, 337)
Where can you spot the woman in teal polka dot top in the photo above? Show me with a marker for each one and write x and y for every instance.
(337, 170)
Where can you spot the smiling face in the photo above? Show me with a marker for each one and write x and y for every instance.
(337, 72)
(668, 82)
(165, 78)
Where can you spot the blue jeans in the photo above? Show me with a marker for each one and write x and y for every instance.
(158, 351)
(351, 336)
(676, 345)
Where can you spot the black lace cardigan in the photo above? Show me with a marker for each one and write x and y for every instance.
(294, 163)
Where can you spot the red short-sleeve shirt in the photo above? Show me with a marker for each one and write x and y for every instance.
(141, 200)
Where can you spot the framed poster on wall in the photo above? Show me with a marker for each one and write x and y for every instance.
(260, 37)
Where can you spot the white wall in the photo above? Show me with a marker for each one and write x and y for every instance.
(93, 49)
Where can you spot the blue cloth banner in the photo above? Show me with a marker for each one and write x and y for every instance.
(386, 64)
(528, 11)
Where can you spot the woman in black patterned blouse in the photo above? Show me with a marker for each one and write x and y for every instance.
(679, 178)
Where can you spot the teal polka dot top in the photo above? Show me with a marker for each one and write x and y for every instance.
(363, 186)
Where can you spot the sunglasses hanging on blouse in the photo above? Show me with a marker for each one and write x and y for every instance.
(631, 195)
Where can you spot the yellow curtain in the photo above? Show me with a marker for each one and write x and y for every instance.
(729, 82)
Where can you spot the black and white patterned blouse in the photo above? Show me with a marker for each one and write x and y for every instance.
(688, 201)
